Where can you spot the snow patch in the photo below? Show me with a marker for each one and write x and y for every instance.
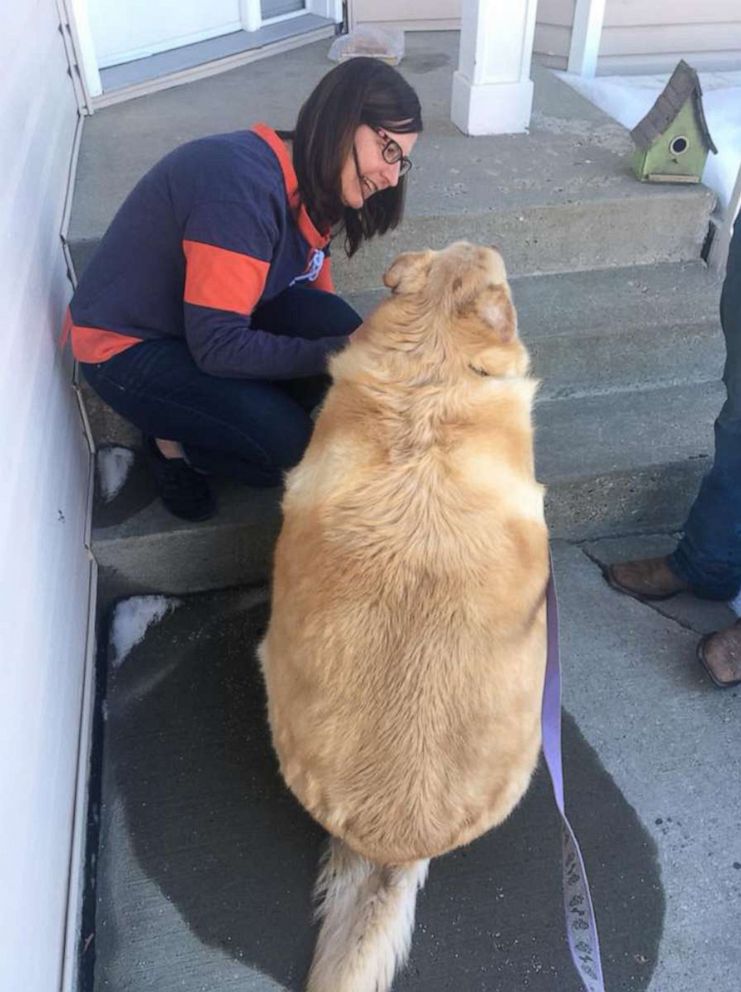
(114, 464)
(131, 619)
(735, 604)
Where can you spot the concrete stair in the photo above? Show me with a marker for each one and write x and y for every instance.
(614, 302)
(629, 361)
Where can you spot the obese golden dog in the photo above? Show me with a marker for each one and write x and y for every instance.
(405, 655)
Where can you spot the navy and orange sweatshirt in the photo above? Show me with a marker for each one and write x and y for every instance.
(212, 230)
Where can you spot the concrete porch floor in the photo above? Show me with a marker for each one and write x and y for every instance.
(206, 863)
(574, 155)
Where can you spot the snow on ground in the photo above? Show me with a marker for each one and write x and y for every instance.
(114, 465)
(131, 619)
(735, 605)
(629, 98)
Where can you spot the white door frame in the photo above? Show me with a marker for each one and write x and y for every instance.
(78, 18)
(87, 60)
(251, 15)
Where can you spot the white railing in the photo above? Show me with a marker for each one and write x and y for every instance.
(724, 228)
(586, 34)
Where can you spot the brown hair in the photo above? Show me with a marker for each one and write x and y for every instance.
(359, 91)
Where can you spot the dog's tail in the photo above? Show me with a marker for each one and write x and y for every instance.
(368, 918)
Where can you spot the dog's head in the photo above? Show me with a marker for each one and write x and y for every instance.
(457, 303)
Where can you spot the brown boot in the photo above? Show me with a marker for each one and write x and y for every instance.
(646, 578)
(720, 656)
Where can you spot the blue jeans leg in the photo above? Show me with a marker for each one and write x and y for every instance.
(709, 554)
(248, 429)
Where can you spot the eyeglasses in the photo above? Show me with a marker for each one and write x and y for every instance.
(392, 153)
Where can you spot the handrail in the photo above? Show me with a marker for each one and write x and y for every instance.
(718, 254)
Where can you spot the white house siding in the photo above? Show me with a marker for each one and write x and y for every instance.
(642, 36)
(133, 29)
(43, 495)
(553, 31)
(411, 15)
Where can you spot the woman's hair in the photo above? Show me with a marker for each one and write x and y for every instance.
(359, 91)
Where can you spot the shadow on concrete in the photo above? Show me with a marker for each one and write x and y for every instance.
(211, 823)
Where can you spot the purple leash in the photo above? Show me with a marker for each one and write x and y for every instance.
(581, 928)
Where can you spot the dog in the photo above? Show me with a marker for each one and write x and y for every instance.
(405, 653)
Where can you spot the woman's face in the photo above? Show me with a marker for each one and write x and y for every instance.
(368, 171)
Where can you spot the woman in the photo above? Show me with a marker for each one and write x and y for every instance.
(207, 313)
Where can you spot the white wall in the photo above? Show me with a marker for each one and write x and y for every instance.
(647, 36)
(411, 15)
(553, 23)
(652, 35)
(44, 467)
(132, 29)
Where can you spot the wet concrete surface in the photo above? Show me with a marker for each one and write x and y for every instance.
(207, 863)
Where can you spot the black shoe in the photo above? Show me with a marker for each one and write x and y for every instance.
(184, 492)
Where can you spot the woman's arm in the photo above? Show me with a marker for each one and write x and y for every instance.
(228, 248)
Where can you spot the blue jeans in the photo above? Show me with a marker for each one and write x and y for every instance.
(709, 554)
(248, 429)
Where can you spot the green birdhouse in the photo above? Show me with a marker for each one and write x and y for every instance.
(672, 140)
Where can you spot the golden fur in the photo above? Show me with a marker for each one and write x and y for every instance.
(405, 655)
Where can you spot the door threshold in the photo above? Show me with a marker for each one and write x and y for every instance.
(208, 58)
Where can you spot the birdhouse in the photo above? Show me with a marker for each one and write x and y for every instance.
(673, 140)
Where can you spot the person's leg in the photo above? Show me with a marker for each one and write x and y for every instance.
(247, 429)
(297, 311)
(308, 313)
(709, 555)
(255, 430)
(707, 560)
(720, 655)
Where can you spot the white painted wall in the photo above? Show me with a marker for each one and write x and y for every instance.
(43, 496)
(411, 15)
(642, 36)
(124, 30)
(553, 25)
(646, 36)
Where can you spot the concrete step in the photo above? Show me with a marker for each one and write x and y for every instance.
(205, 863)
(598, 332)
(560, 198)
(625, 462)
(615, 464)
(629, 225)
(588, 333)
(604, 330)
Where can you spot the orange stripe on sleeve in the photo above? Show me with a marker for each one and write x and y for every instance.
(222, 279)
(92, 344)
(324, 279)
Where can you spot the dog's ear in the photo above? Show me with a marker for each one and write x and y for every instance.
(495, 309)
(408, 273)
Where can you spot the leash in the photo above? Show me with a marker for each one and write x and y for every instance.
(581, 928)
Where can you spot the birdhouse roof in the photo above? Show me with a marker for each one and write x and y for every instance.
(683, 85)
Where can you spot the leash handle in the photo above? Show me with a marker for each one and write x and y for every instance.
(581, 927)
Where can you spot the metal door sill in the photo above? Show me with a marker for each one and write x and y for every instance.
(208, 58)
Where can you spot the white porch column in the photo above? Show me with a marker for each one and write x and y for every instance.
(492, 89)
(586, 35)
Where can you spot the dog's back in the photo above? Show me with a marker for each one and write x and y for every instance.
(406, 650)
(405, 655)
